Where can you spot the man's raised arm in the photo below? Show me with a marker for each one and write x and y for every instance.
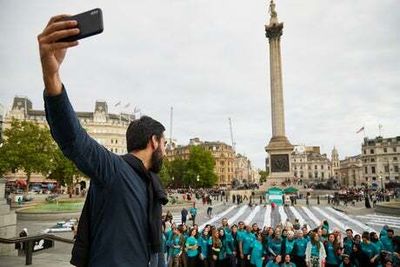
(91, 158)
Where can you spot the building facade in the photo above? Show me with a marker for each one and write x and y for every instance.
(223, 154)
(106, 128)
(309, 165)
(381, 160)
(335, 163)
(350, 172)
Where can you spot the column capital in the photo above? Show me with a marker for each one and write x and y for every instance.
(274, 30)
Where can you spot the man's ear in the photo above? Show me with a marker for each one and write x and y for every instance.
(154, 142)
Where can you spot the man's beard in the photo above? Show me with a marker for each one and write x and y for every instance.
(156, 161)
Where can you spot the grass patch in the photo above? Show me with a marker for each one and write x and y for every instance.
(62, 206)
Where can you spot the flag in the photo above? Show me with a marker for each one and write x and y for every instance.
(116, 105)
(361, 129)
(127, 105)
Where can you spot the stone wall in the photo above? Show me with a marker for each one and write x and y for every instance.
(8, 223)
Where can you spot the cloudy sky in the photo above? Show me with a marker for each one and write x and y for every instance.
(209, 60)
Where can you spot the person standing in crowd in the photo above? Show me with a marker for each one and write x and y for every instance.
(192, 248)
(358, 257)
(231, 246)
(288, 243)
(216, 245)
(275, 244)
(193, 212)
(222, 259)
(348, 242)
(331, 247)
(299, 250)
(184, 214)
(369, 249)
(373, 237)
(346, 262)
(257, 254)
(287, 262)
(315, 252)
(387, 240)
(245, 242)
(275, 261)
(203, 243)
(176, 245)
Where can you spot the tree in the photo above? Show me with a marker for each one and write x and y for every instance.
(165, 173)
(200, 168)
(64, 171)
(263, 176)
(27, 147)
(177, 172)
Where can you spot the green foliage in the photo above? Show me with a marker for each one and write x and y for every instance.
(263, 176)
(197, 171)
(200, 168)
(64, 171)
(27, 147)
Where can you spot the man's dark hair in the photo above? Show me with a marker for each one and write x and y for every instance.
(140, 132)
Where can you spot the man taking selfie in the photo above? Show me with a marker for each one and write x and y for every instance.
(120, 223)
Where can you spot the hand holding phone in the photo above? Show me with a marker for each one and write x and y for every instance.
(89, 23)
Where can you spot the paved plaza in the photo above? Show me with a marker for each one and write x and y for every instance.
(355, 217)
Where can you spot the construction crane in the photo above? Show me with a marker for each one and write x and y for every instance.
(232, 140)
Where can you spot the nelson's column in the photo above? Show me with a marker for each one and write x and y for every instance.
(279, 147)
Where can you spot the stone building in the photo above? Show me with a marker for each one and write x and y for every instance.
(308, 164)
(335, 163)
(107, 128)
(223, 154)
(381, 160)
(245, 171)
(350, 172)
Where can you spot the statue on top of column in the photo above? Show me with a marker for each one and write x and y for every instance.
(272, 10)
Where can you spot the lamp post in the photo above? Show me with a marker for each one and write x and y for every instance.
(198, 179)
(173, 178)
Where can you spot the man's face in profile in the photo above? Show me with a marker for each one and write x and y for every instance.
(157, 157)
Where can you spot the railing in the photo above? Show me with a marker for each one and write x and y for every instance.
(29, 243)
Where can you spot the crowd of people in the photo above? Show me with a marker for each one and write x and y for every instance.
(288, 245)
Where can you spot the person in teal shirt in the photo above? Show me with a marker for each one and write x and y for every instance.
(332, 259)
(245, 244)
(348, 242)
(177, 243)
(222, 253)
(275, 244)
(193, 213)
(387, 241)
(375, 241)
(346, 262)
(230, 247)
(369, 249)
(202, 242)
(287, 262)
(288, 244)
(257, 252)
(192, 248)
(299, 250)
(276, 262)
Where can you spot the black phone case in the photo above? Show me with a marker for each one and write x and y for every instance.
(89, 23)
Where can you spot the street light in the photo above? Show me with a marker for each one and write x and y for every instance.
(198, 179)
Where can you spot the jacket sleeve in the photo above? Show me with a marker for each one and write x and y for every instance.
(90, 157)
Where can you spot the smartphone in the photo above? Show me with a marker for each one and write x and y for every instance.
(89, 23)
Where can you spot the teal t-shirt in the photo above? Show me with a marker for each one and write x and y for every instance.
(202, 241)
(348, 246)
(229, 244)
(387, 243)
(272, 264)
(314, 250)
(289, 244)
(301, 245)
(193, 211)
(275, 245)
(176, 241)
(369, 249)
(247, 240)
(191, 241)
(257, 252)
(331, 255)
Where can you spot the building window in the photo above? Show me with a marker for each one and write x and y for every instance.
(316, 174)
(365, 151)
(316, 167)
(395, 159)
(394, 149)
(372, 160)
(386, 168)
(366, 170)
(372, 151)
(384, 149)
(372, 169)
(387, 178)
(322, 175)
(396, 168)
(322, 167)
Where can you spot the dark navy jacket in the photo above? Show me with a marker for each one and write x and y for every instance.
(118, 209)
